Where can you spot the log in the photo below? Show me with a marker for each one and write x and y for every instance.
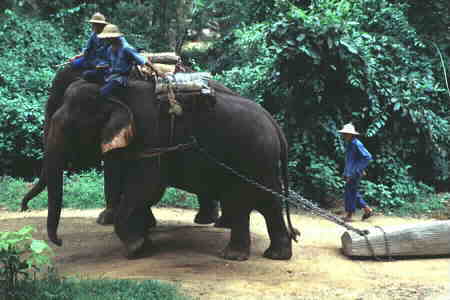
(422, 239)
(162, 58)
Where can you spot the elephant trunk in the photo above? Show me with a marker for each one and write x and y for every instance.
(54, 166)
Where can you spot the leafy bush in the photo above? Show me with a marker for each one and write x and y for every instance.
(20, 256)
(178, 198)
(26, 71)
(333, 62)
(314, 64)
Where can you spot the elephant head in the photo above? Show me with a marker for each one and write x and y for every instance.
(82, 124)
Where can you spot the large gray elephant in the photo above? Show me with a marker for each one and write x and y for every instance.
(208, 210)
(135, 137)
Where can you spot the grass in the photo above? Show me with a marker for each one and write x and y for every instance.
(85, 190)
(81, 191)
(105, 289)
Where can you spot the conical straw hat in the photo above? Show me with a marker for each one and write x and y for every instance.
(349, 128)
(98, 18)
(110, 31)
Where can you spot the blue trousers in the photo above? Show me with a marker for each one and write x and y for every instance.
(353, 198)
(98, 76)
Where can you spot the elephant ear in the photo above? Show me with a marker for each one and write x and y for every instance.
(118, 131)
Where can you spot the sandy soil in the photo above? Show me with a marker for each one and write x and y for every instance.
(189, 255)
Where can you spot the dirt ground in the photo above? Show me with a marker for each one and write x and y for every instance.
(189, 256)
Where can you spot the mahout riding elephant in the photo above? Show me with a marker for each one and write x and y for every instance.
(208, 210)
(136, 139)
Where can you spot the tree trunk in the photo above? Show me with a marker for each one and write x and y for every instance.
(183, 17)
(163, 19)
(423, 239)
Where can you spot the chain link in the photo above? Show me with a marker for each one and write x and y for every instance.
(295, 199)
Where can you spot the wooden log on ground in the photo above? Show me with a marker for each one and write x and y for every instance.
(422, 239)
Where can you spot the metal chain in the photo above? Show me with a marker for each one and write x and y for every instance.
(298, 200)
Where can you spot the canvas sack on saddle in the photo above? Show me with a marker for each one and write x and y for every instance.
(176, 86)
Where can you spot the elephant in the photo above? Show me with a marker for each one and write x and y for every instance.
(140, 141)
(209, 210)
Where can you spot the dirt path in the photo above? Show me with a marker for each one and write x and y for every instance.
(188, 255)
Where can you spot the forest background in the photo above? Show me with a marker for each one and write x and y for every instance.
(315, 65)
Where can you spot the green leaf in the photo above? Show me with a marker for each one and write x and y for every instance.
(39, 246)
(301, 37)
(350, 48)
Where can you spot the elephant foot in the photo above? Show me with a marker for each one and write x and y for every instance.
(136, 248)
(206, 219)
(236, 254)
(24, 207)
(279, 253)
(106, 217)
(223, 222)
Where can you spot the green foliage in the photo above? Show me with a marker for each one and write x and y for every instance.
(26, 71)
(324, 176)
(252, 63)
(20, 255)
(12, 190)
(434, 206)
(314, 64)
(81, 191)
(339, 61)
(84, 190)
(55, 287)
(178, 198)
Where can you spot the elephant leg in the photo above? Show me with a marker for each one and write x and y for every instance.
(209, 210)
(132, 217)
(224, 221)
(151, 202)
(280, 242)
(112, 188)
(238, 247)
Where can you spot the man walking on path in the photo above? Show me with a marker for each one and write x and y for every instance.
(356, 160)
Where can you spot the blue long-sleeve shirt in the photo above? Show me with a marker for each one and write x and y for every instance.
(95, 52)
(121, 62)
(356, 158)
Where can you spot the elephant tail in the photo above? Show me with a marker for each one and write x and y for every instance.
(34, 191)
(284, 174)
(285, 178)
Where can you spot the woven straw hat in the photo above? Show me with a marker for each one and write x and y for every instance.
(98, 18)
(349, 128)
(110, 31)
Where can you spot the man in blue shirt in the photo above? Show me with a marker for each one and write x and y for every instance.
(121, 57)
(356, 160)
(94, 55)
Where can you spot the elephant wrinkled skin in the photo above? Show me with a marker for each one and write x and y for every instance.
(234, 130)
